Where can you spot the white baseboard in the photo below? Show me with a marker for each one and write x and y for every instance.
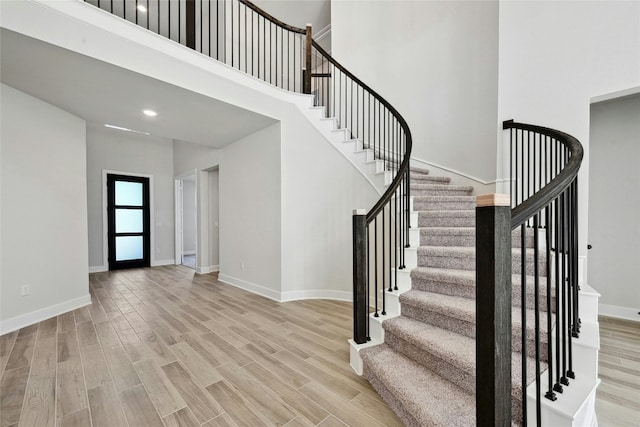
(251, 287)
(316, 294)
(627, 313)
(161, 262)
(98, 268)
(23, 320)
(207, 270)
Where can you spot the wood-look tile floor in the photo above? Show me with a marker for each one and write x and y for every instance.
(161, 346)
(618, 396)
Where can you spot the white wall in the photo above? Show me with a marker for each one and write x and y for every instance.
(137, 154)
(188, 156)
(44, 211)
(614, 202)
(437, 63)
(320, 189)
(189, 216)
(555, 56)
(250, 212)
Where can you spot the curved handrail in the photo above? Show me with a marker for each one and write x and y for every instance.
(404, 166)
(276, 21)
(558, 184)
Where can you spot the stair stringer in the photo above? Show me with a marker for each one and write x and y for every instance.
(373, 170)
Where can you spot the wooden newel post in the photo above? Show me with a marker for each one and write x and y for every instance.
(493, 310)
(360, 309)
(307, 65)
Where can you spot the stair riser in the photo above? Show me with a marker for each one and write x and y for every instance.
(428, 221)
(420, 205)
(459, 290)
(428, 239)
(468, 329)
(439, 192)
(406, 417)
(426, 179)
(458, 376)
(468, 263)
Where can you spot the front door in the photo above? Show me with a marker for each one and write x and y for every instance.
(128, 221)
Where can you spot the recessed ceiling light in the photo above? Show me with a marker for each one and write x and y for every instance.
(142, 9)
(126, 129)
(149, 113)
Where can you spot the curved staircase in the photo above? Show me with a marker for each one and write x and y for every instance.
(425, 369)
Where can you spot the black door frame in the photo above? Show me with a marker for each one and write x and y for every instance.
(145, 261)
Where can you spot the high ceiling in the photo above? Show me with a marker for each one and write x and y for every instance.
(102, 93)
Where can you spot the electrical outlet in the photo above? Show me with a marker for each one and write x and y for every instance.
(242, 265)
(25, 290)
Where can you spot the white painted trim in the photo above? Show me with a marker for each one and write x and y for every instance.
(327, 135)
(471, 177)
(582, 269)
(207, 270)
(251, 287)
(615, 95)
(627, 313)
(316, 294)
(177, 203)
(105, 226)
(324, 32)
(161, 262)
(98, 268)
(179, 215)
(33, 317)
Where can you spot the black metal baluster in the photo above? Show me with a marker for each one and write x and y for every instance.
(383, 287)
(576, 311)
(536, 308)
(563, 276)
(395, 228)
(549, 394)
(523, 309)
(375, 261)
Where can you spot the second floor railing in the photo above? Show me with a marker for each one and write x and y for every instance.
(235, 32)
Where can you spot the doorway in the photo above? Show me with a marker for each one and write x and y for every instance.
(186, 215)
(128, 222)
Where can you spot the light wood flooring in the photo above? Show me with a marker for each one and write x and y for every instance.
(162, 347)
(618, 397)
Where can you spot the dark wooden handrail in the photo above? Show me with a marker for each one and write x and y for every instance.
(404, 166)
(269, 17)
(561, 182)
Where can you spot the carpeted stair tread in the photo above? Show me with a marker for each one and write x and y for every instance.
(440, 190)
(446, 279)
(446, 203)
(447, 218)
(464, 258)
(414, 171)
(463, 309)
(422, 179)
(428, 398)
(470, 252)
(451, 349)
